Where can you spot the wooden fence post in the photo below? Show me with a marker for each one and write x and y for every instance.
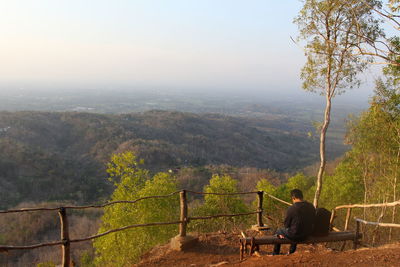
(348, 214)
(65, 247)
(260, 208)
(184, 211)
(183, 241)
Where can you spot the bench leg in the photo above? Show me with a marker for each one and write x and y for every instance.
(356, 238)
(252, 246)
(242, 249)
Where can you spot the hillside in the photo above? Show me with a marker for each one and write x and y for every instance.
(61, 156)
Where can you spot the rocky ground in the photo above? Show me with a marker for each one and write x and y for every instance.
(222, 249)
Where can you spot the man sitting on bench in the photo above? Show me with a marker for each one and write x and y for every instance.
(299, 222)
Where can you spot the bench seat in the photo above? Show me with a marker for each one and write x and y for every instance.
(255, 242)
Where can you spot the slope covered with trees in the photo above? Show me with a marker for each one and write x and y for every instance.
(61, 156)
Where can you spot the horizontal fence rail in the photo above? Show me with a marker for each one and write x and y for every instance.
(184, 220)
(221, 215)
(350, 207)
(389, 204)
(48, 244)
(392, 225)
(123, 228)
(278, 199)
(222, 194)
(7, 248)
(89, 206)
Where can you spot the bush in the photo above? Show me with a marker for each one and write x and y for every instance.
(125, 247)
(221, 204)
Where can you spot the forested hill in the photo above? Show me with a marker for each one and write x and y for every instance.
(58, 156)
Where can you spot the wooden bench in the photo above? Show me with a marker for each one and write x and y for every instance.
(255, 242)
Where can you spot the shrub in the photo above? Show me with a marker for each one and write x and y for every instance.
(125, 247)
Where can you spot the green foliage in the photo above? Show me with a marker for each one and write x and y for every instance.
(344, 186)
(331, 32)
(369, 172)
(266, 186)
(299, 181)
(126, 175)
(276, 209)
(221, 204)
(270, 205)
(125, 247)
(376, 144)
(332, 29)
(46, 264)
(125, 166)
(86, 260)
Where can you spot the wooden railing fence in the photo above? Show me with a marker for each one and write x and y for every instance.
(350, 207)
(184, 219)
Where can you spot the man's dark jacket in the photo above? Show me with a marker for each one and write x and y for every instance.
(299, 220)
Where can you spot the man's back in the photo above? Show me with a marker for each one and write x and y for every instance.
(300, 220)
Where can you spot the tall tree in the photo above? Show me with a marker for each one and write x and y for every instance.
(384, 49)
(330, 29)
(376, 138)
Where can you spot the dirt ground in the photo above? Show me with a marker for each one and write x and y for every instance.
(221, 249)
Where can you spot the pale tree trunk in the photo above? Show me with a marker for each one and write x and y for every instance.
(322, 145)
(379, 221)
(327, 115)
(394, 191)
(365, 173)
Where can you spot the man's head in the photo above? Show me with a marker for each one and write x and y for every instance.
(296, 195)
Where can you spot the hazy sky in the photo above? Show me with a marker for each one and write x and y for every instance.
(193, 44)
